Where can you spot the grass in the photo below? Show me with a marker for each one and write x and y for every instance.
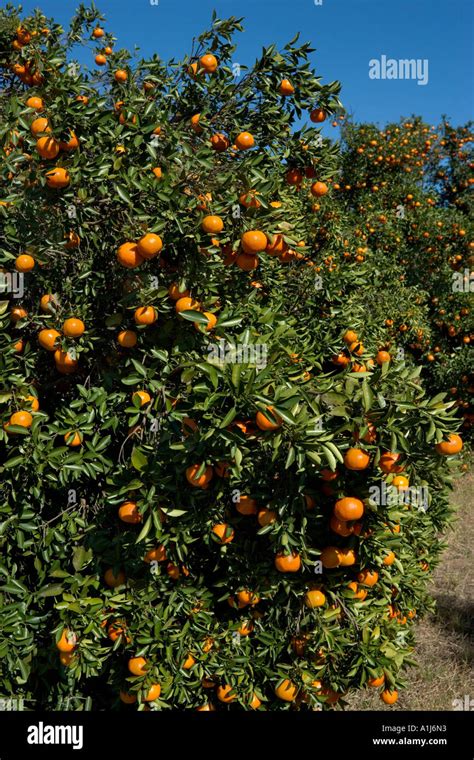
(444, 641)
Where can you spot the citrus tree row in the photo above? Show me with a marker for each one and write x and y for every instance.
(222, 485)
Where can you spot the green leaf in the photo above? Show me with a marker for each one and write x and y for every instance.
(145, 530)
(138, 458)
(367, 396)
(230, 416)
(123, 194)
(290, 458)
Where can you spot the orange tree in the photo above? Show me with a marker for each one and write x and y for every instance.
(406, 193)
(219, 489)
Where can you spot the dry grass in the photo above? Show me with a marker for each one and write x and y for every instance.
(444, 650)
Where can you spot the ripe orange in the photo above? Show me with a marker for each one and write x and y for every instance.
(453, 445)
(73, 327)
(47, 147)
(341, 360)
(389, 697)
(127, 339)
(98, 32)
(340, 527)
(116, 629)
(246, 505)
(350, 336)
(347, 557)
(189, 426)
(211, 322)
(65, 362)
(195, 124)
(71, 144)
(22, 419)
(144, 397)
(73, 438)
(359, 593)
(145, 315)
(246, 597)
(317, 115)
(48, 339)
(356, 348)
(73, 240)
(114, 580)
(24, 263)
(253, 241)
(388, 462)
(129, 513)
(400, 482)
(330, 557)
(40, 125)
(314, 598)
(219, 142)
(157, 171)
(212, 224)
(286, 88)
(149, 245)
(129, 256)
(382, 357)
(189, 662)
(126, 698)
(356, 459)
(244, 141)
(120, 75)
(247, 261)
(224, 532)
(348, 508)
(158, 554)
(32, 403)
(187, 303)
(67, 642)
(368, 577)
(286, 691)
(269, 420)
(100, 59)
(226, 694)
(255, 702)
(319, 189)
(201, 481)
(294, 176)
(375, 682)
(277, 246)
(18, 313)
(153, 693)
(266, 517)
(137, 666)
(35, 102)
(389, 558)
(208, 62)
(175, 293)
(288, 563)
(57, 178)
(66, 658)
(245, 628)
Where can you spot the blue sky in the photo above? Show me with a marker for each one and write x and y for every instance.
(347, 34)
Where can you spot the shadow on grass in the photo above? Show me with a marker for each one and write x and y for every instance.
(457, 615)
